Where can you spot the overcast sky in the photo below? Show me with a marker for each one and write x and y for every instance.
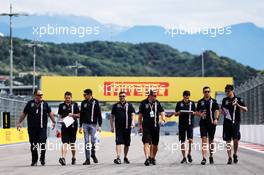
(167, 13)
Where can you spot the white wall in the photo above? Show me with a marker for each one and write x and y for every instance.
(249, 133)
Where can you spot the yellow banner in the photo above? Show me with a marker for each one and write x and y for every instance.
(169, 89)
(12, 135)
(9, 136)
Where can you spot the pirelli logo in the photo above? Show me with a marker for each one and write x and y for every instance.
(135, 88)
(169, 89)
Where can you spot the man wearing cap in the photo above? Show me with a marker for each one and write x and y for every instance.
(185, 109)
(150, 110)
(208, 110)
(37, 112)
(231, 107)
(122, 120)
(68, 109)
(90, 116)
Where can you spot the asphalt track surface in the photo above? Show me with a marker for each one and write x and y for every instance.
(15, 159)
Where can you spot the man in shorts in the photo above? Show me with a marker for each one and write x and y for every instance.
(71, 109)
(231, 107)
(150, 110)
(122, 120)
(208, 110)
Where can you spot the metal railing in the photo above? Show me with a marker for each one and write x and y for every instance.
(15, 106)
(252, 92)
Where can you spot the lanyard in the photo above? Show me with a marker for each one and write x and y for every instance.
(210, 109)
(126, 115)
(92, 111)
(41, 115)
(155, 115)
(72, 111)
(234, 112)
(190, 115)
(72, 108)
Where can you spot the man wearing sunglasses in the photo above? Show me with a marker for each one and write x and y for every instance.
(122, 120)
(37, 112)
(208, 110)
(231, 107)
(90, 116)
(150, 110)
(185, 109)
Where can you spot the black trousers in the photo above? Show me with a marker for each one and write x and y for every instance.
(37, 139)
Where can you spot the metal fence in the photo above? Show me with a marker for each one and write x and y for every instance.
(252, 92)
(15, 106)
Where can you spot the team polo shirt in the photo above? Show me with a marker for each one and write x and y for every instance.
(123, 114)
(232, 113)
(150, 113)
(209, 106)
(185, 119)
(65, 109)
(37, 114)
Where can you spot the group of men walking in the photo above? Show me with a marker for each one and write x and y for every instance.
(209, 112)
(122, 120)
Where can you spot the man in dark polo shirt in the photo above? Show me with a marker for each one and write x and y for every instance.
(208, 110)
(71, 109)
(150, 111)
(123, 115)
(90, 116)
(185, 109)
(231, 107)
(37, 112)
